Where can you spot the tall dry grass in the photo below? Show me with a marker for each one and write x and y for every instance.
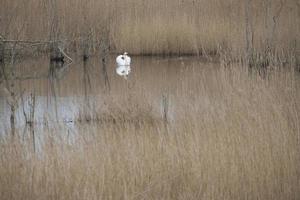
(236, 136)
(155, 27)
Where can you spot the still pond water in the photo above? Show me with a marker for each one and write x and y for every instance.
(63, 93)
(83, 91)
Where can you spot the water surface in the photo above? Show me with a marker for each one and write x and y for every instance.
(65, 92)
(158, 88)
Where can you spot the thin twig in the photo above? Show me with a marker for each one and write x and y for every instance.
(27, 41)
(62, 51)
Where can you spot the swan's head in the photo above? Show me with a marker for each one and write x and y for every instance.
(125, 53)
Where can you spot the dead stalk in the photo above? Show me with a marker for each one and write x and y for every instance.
(249, 30)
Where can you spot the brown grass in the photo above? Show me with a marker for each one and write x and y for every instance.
(236, 137)
(153, 27)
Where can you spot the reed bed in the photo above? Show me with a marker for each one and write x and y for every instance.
(155, 27)
(236, 136)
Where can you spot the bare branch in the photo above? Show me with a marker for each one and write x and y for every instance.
(62, 51)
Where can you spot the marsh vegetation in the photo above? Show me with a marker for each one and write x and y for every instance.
(156, 27)
(212, 111)
(176, 129)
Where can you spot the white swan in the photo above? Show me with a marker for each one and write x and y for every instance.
(123, 59)
(123, 62)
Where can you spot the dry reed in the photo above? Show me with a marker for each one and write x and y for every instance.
(155, 27)
(236, 137)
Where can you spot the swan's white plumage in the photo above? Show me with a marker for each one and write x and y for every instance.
(123, 59)
(123, 62)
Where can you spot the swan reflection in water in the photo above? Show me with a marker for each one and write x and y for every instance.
(123, 62)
